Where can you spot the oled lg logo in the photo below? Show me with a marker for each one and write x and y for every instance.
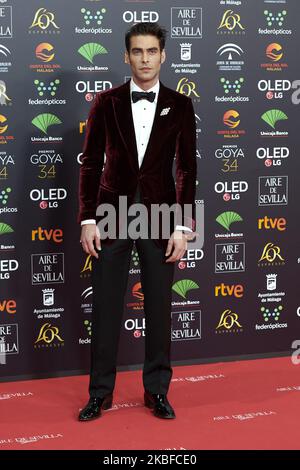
(90, 89)
(140, 17)
(272, 156)
(231, 190)
(49, 198)
(7, 266)
(274, 88)
(136, 326)
(190, 259)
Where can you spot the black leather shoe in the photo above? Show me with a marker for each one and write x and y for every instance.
(159, 404)
(94, 406)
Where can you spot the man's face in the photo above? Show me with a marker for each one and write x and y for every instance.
(144, 57)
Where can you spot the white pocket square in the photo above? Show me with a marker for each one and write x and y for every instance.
(165, 111)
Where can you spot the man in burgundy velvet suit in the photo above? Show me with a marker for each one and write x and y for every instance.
(140, 126)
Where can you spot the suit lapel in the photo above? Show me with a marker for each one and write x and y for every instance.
(160, 125)
(124, 119)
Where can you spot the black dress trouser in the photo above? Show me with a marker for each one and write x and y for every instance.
(109, 279)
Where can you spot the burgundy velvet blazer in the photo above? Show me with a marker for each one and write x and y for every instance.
(110, 129)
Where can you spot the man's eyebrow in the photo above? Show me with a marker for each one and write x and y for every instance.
(154, 48)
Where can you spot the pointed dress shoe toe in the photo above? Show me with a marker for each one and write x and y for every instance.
(94, 406)
(160, 405)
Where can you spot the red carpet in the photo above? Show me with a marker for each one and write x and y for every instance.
(233, 405)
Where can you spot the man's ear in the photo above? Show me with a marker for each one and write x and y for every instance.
(126, 58)
(163, 56)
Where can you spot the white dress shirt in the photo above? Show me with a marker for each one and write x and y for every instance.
(143, 112)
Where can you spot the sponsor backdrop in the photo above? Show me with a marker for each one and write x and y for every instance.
(235, 295)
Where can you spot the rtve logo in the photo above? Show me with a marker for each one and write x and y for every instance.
(47, 234)
(270, 223)
(226, 290)
(8, 306)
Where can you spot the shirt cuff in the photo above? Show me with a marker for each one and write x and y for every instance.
(88, 221)
(182, 227)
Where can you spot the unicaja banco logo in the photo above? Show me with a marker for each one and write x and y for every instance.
(5, 228)
(91, 50)
(184, 286)
(227, 218)
(43, 121)
(272, 116)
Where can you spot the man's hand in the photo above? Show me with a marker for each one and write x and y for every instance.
(178, 241)
(89, 233)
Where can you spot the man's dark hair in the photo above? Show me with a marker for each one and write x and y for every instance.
(153, 29)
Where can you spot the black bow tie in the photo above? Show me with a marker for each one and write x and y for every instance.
(140, 95)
